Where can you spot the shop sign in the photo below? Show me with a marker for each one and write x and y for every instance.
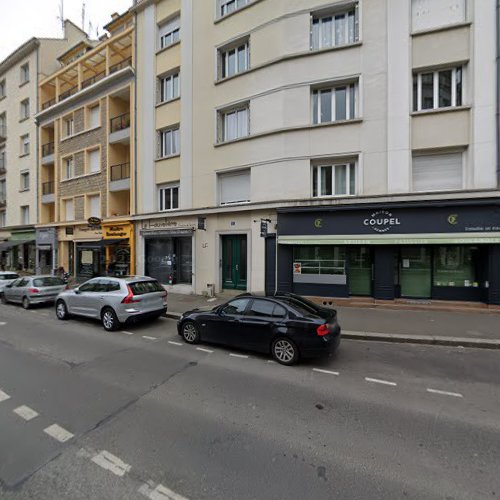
(94, 221)
(117, 231)
(381, 221)
(297, 268)
(168, 224)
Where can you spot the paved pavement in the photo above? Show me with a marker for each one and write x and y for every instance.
(136, 414)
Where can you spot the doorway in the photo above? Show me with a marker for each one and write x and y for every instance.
(360, 271)
(234, 262)
(415, 273)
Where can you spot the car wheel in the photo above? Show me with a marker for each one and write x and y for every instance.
(61, 310)
(26, 303)
(284, 351)
(109, 320)
(190, 332)
(3, 299)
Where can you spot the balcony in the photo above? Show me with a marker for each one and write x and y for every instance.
(48, 153)
(119, 129)
(48, 104)
(3, 164)
(3, 201)
(120, 177)
(121, 65)
(90, 81)
(48, 192)
(3, 132)
(68, 93)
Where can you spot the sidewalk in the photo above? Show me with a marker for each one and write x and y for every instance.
(467, 329)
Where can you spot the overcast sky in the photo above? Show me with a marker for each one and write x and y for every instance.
(22, 19)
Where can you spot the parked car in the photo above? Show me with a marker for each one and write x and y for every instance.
(114, 300)
(6, 278)
(29, 290)
(279, 325)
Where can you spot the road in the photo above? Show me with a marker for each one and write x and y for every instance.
(137, 414)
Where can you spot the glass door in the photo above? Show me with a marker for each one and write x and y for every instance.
(415, 272)
(234, 262)
(360, 271)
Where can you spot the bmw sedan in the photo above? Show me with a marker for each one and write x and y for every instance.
(281, 326)
(30, 290)
(114, 301)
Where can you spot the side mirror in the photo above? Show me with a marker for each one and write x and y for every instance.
(220, 311)
(77, 291)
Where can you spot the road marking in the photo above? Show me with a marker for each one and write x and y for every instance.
(110, 462)
(204, 350)
(379, 381)
(149, 338)
(445, 393)
(57, 432)
(25, 412)
(2, 323)
(328, 372)
(3, 396)
(160, 493)
(174, 343)
(238, 355)
(127, 333)
(271, 361)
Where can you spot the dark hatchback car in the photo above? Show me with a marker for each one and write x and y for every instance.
(285, 326)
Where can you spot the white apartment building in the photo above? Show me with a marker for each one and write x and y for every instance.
(329, 148)
(19, 76)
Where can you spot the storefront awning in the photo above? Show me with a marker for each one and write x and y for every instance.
(13, 243)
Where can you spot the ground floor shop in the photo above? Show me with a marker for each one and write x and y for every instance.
(434, 251)
(46, 250)
(18, 252)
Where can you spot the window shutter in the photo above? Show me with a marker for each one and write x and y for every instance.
(169, 26)
(95, 206)
(428, 14)
(437, 172)
(69, 210)
(234, 188)
(94, 117)
(94, 161)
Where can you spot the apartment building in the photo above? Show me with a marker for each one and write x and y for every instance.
(86, 155)
(328, 148)
(20, 73)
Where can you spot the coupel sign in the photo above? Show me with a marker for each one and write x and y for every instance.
(381, 221)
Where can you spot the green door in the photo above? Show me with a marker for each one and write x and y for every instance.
(360, 271)
(415, 272)
(234, 262)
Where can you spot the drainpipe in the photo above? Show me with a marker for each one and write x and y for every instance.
(498, 89)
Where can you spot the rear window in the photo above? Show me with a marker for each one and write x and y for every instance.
(142, 287)
(9, 277)
(48, 281)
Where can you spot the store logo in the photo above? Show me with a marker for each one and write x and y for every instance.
(382, 221)
(318, 223)
(453, 219)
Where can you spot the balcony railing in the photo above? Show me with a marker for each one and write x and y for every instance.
(3, 201)
(3, 164)
(120, 172)
(90, 81)
(49, 103)
(48, 187)
(47, 149)
(120, 122)
(122, 64)
(68, 93)
(3, 132)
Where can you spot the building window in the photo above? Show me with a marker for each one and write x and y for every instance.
(25, 145)
(94, 117)
(335, 29)
(69, 168)
(25, 215)
(335, 104)
(69, 210)
(234, 59)
(3, 125)
(3, 220)
(168, 198)
(68, 126)
(430, 14)
(3, 191)
(234, 124)
(94, 206)
(3, 161)
(25, 181)
(455, 265)
(438, 89)
(437, 172)
(169, 87)
(2, 89)
(334, 180)
(25, 109)
(170, 32)
(169, 142)
(94, 161)
(228, 6)
(234, 187)
(25, 73)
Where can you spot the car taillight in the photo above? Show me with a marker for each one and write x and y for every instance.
(322, 330)
(129, 299)
(33, 290)
(164, 294)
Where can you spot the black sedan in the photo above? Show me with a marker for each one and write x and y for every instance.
(284, 326)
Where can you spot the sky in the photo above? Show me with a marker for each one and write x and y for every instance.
(21, 20)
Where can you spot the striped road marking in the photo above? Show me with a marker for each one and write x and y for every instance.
(445, 393)
(243, 356)
(328, 372)
(110, 462)
(174, 343)
(58, 433)
(204, 350)
(127, 333)
(159, 493)
(3, 396)
(149, 338)
(379, 381)
(2, 323)
(25, 412)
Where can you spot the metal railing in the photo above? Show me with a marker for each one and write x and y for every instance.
(90, 81)
(48, 149)
(3, 164)
(122, 64)
(119, 172)
(120, 122)
(68, 93)
(3, 201)
(48, 187)
(48, 104)
(3, 131)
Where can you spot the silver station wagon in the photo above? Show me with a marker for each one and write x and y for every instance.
(114, 301)
(30, 290)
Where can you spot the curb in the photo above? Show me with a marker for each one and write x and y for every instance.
(173, 315)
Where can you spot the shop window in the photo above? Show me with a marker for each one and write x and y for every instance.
(430, 14)
(169, 259)
(320, 260)
(334, 180)
(335, 29)
(455, 266)
(437, 172)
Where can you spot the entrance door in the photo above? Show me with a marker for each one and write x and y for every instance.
(415, 272)
(234, 262)
(360, 271)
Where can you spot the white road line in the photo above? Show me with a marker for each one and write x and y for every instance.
(445, 393)
(379, 381)
(2, 323)
(174, 343)
(127, 333)
(149, 338)
(3, 396)
(238, 355)
(204, 350)
(25, 412)
(328, 372)
(271, 361)
(159, 493)
(110, 462)
(57, 432)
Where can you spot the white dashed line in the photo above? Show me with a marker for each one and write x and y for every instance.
(379, 381)
(58, 433)
(26, 412)
(149, 338)
(328, 372)
(271, 361)
(204, 350)
(3, 396)
(2, 323)
(110, 462)
(159, 493)
(174, 343)
(127, 333)
(445, 393)
(243, 356)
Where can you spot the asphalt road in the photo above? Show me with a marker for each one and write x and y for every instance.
(137, 414)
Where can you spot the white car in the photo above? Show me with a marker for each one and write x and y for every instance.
(7, 277)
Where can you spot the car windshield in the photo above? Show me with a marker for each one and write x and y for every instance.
(48, 281)
(142, 287)
(8, 277)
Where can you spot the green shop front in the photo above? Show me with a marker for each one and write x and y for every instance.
(439, 251)
(18, 253)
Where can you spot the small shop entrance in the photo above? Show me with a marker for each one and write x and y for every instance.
(360, 271)
(415, 272)
(234, 262)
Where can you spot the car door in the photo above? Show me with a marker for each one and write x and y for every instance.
(81, 301)
(10, 290)
(18, 289)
